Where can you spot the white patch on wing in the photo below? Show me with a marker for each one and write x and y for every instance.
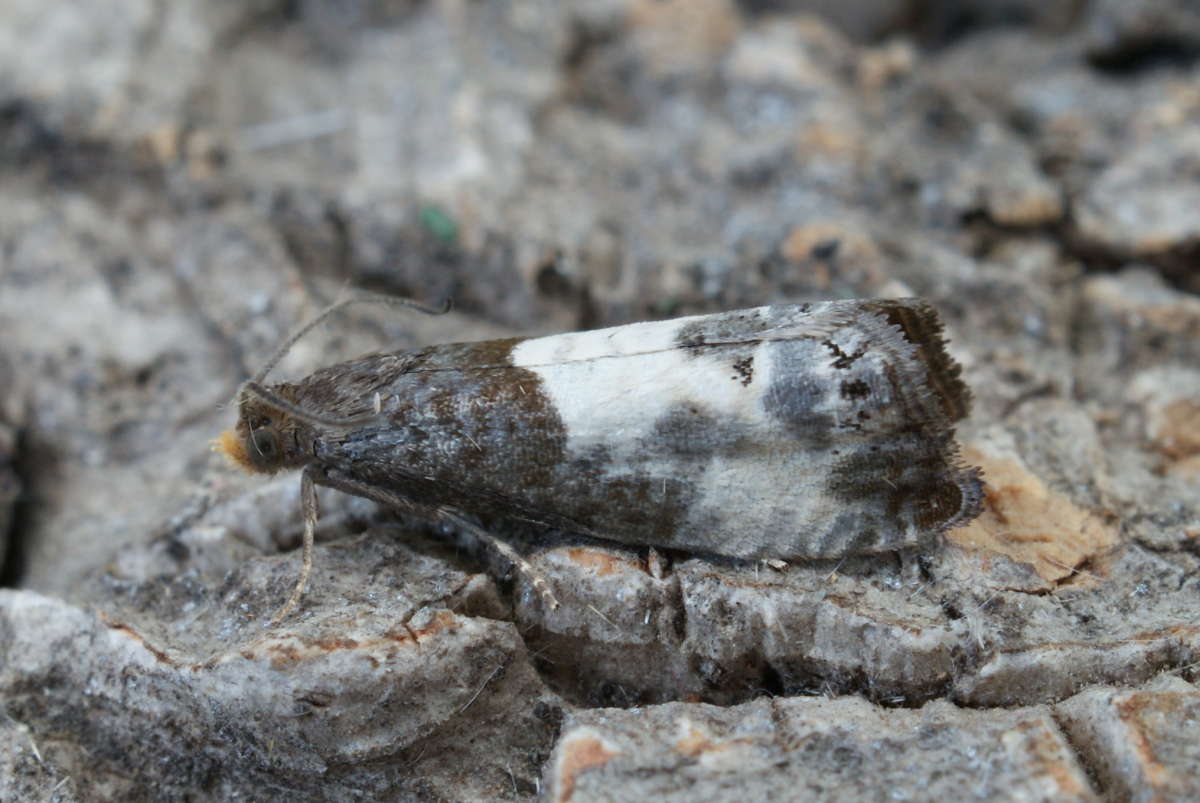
(615, 399)
(616, 402)
(616, 341)
(613, 387)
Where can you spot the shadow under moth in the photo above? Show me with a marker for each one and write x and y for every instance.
(789, 432)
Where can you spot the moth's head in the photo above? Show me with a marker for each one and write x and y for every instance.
(263, 441)
(271, 424)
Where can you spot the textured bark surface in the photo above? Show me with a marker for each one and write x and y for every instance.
(184, 183)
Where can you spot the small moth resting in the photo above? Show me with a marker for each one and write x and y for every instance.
(797, 431)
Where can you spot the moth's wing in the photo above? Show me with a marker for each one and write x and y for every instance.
(810, 370)
(791, 431)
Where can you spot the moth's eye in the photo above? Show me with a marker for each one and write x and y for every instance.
(264, 446)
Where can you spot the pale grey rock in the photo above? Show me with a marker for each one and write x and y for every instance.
(621, 637)
(115, 70)
(1132, 314)
(337, 703)
(1141, 205)
(26, 772)
(1143, 744)
(955, 159)
(841, 749)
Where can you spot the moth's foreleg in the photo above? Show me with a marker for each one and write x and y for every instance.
(308, 505)
(523, 566)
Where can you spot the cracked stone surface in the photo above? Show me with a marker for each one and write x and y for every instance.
(186, 183)
(810, 747)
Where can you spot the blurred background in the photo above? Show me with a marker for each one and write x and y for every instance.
(185, 182)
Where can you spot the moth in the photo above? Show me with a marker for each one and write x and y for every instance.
(793, 432)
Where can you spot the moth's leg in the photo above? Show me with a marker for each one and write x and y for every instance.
(340, 482)
(335, 479)
(308, 505)
(523, 566)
